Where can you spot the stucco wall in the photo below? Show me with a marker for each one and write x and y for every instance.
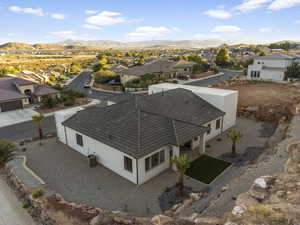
(107, 156)
(145, 176)
(213, 132)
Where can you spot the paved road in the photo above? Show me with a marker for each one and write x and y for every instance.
(215, 80)
(11, 210)
(26, 130)
(78, 85)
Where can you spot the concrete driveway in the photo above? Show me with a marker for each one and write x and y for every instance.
(16, 116)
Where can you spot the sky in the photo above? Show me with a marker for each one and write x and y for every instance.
(48, 21)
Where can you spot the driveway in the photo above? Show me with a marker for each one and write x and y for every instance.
(16, 116)
(205, 82)
(11, 210)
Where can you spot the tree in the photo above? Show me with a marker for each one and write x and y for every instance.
(141, 61)
(38, 118)
(293, 71)
(222, 58)
(75, 67)
(235, 136)
(7, 152)
(182, 164)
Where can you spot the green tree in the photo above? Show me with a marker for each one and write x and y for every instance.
(223, 58)
(293, 71)
(182, 164)
(7, 151)
(234, 136)
(141, 61)
(38, 118)
(75, 67)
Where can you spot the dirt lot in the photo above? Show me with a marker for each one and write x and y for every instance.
(265, 101)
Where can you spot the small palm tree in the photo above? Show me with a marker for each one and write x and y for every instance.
(38, 118)
(7, 150)
(182, 163)
(235, 136)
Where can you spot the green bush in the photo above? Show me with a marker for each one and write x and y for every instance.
(49, 101)
(38, 193)
(69, 102)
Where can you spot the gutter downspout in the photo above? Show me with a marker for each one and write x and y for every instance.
(66, 137)
(137, 171)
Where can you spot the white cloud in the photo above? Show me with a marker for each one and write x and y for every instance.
(37, 12)
(283, 4)
(265, 30)
(149, 32)
(219, 14)
(65, 34)
(90, 26)
(298, 21)
(199, 36)
(249, 5)
(226, 29)
(106, 18)
(17, 9)
(58, 16)
(90, 12)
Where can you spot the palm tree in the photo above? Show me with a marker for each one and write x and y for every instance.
(182, 163)
(7, 150)
(38, 119)
(235, 136)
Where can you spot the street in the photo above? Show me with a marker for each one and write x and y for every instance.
(11, 210)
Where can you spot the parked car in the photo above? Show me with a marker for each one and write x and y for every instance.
(183, 77)
(87, 85)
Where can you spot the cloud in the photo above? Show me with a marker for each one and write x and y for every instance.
(36, 12)
(265, 30)
(199, 36)
(283, 4)
(17, 9)
(65, 34)
(250, 5)
(218, 13)
(219, 29)
(149, 32)
(58, 16)
(90, 26)
(106, 18)
(90, 12)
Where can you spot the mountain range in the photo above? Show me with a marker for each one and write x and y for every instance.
(89, 44)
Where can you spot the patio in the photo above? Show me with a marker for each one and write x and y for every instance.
(67, 172)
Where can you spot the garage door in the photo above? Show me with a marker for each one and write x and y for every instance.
(8, 106)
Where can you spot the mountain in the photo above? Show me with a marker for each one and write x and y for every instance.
(150, 44)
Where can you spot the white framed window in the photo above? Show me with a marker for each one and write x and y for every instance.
(209, 129)
(128, 164)
(218, 124)
(79, 139)
(154, 160)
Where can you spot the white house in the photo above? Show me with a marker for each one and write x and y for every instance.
(271, 67)
(225, 100)
(137, 138)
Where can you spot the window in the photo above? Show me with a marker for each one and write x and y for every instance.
(147, 164)
(209, 128)
(127, 164)
(79, 139)
(161, 156)
(218, 124)
(195, 138)
(154, 160)
(258, 74)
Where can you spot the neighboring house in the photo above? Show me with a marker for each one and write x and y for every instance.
(117, 69)
(138, 138)
(15, 93)
(39, 77)
(164, 68)
(271, 67)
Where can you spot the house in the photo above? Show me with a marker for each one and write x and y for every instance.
(164, 68)
(270, 67)
(138, 138)
(15, 93)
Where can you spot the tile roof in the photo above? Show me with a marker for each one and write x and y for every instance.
(144, 124)
(9, 90)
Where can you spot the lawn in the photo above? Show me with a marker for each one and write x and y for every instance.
(206, 168)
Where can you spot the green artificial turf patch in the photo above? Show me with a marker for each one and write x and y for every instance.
(206, 168)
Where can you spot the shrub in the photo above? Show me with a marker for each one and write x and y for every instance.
(49, 101)
(38, 193)
(69, 102)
